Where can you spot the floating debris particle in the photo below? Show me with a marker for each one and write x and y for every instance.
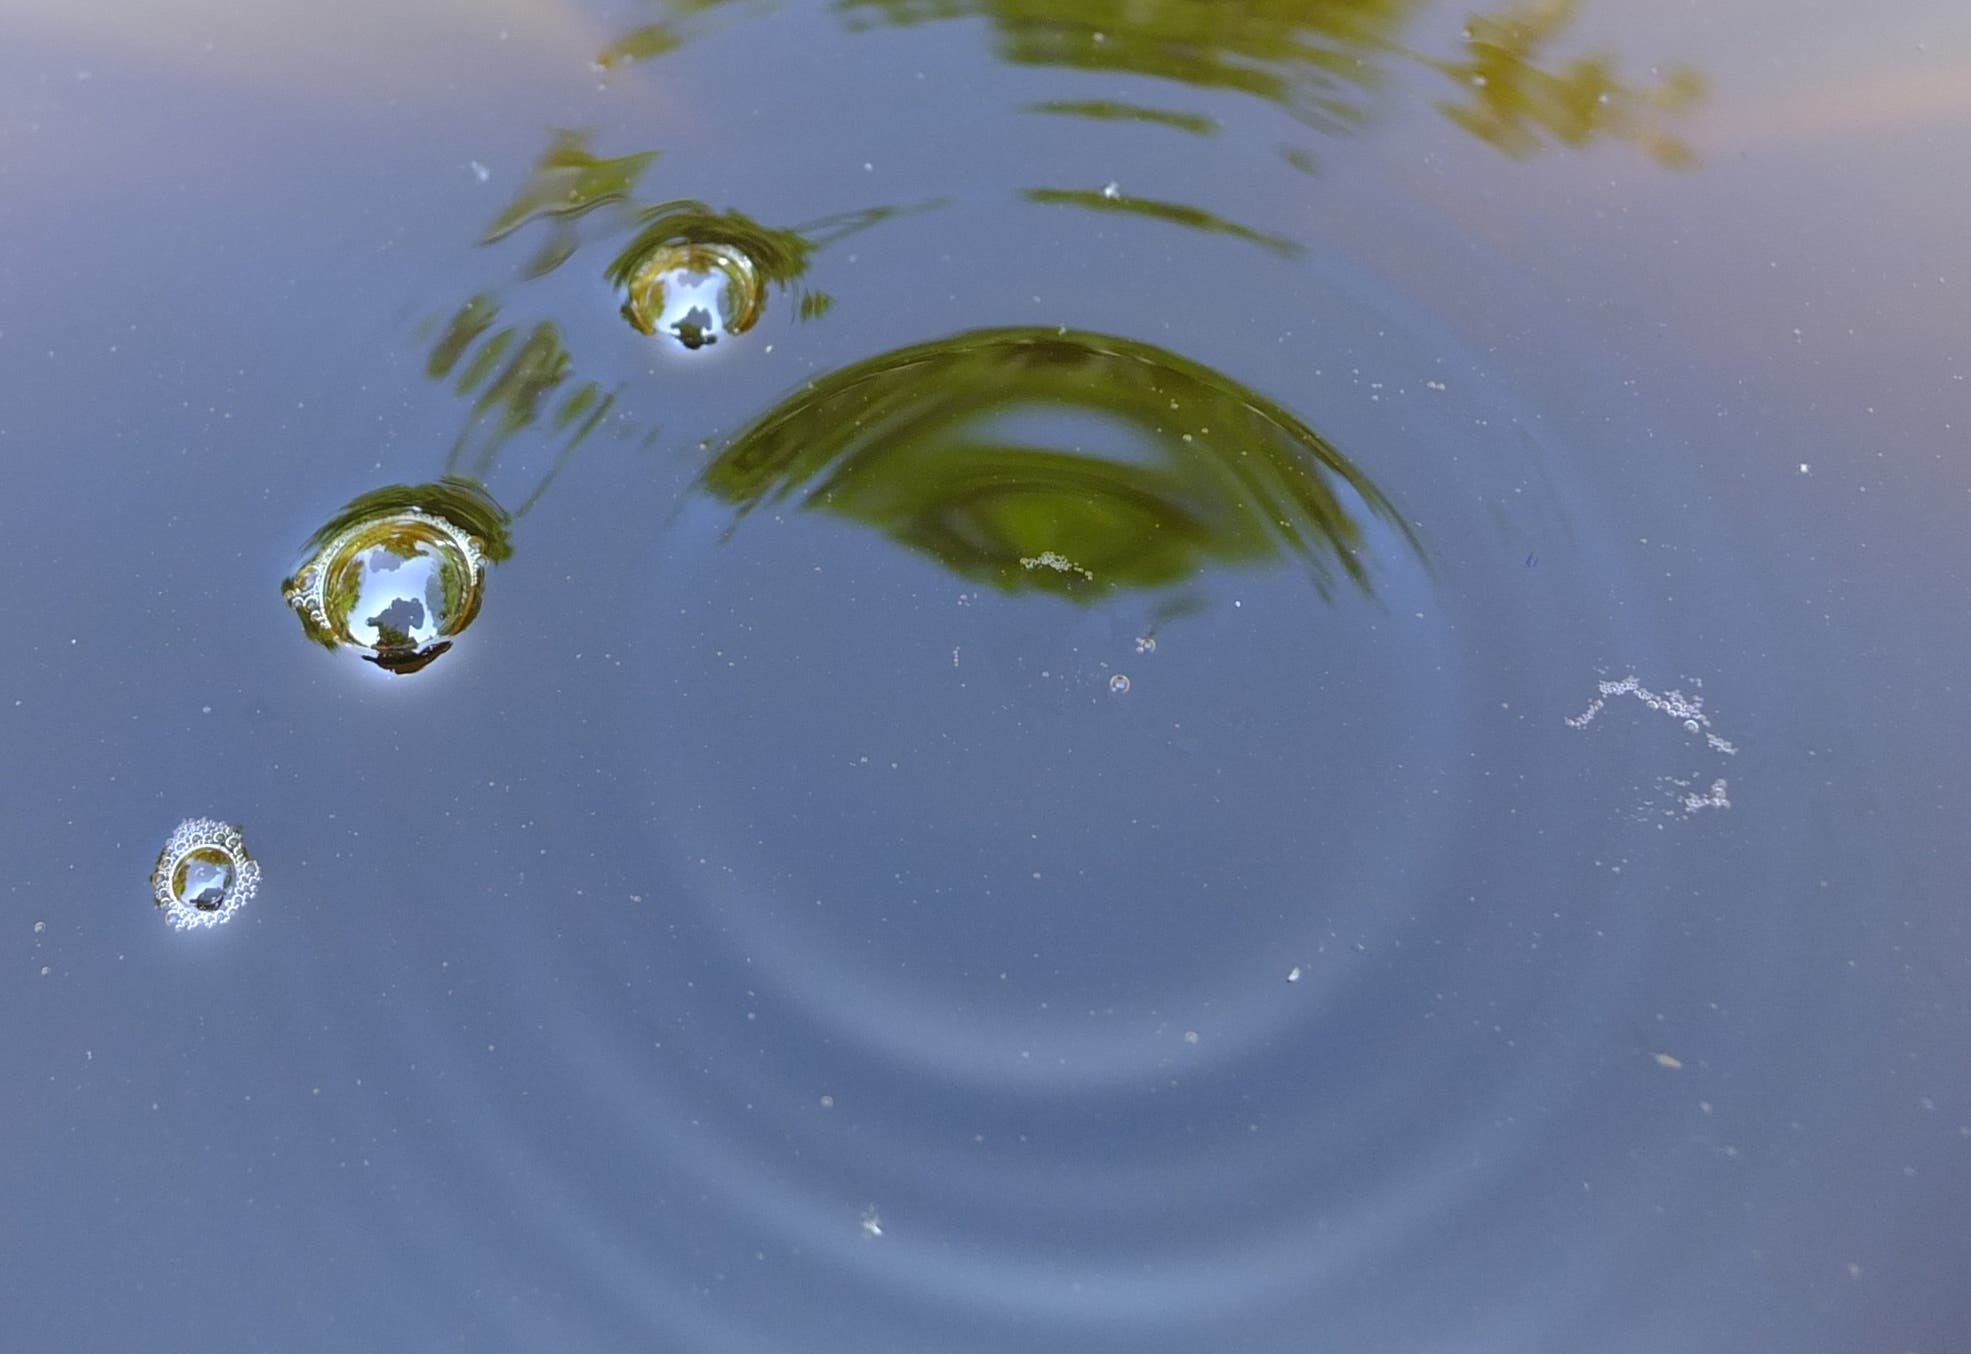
(1293, 974)
(1675, 1064)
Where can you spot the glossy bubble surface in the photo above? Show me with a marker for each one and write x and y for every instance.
(696, 293)
(399, 574)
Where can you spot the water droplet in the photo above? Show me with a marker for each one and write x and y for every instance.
(1119, 684)
(696, 293)
(204, 874)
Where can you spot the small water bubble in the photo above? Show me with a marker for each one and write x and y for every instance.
(39, 927)
(1119, 684)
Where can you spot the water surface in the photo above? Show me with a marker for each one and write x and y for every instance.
(1299, 688)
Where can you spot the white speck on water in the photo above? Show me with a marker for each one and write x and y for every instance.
(1112, 190)
(1293, 974)
(872, 1223)
(480, 172)
(1059, 563)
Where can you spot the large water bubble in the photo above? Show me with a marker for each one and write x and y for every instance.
(399, 573)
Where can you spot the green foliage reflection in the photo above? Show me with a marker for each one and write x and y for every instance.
(1307, 56)
(1321, 60)
(1176, 213)
(1514, 103)
(568, 181)
(520, 376)
(511, 374)
(972, 450)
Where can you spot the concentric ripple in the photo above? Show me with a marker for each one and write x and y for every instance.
(963, 985)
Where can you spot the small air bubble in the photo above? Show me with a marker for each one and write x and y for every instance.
(1119, 684)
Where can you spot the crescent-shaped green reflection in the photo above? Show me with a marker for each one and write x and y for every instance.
(1061, 461)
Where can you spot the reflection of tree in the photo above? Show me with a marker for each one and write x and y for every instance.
(520, 376)
(1307, 56)
(1320, 59)
(567, 181)
(1511, 100)
(973, 450)
(510, 375)
(662, 35)
(1195, 218)
(1111, 110)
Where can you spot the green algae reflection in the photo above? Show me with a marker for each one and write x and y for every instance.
(1041, 459)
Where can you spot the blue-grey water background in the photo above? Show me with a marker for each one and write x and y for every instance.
(757, 936)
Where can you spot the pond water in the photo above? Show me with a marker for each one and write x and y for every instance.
(1042, 674)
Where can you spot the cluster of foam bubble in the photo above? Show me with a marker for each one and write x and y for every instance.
(200, 839)
(1686, 710)
(1680, 797)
